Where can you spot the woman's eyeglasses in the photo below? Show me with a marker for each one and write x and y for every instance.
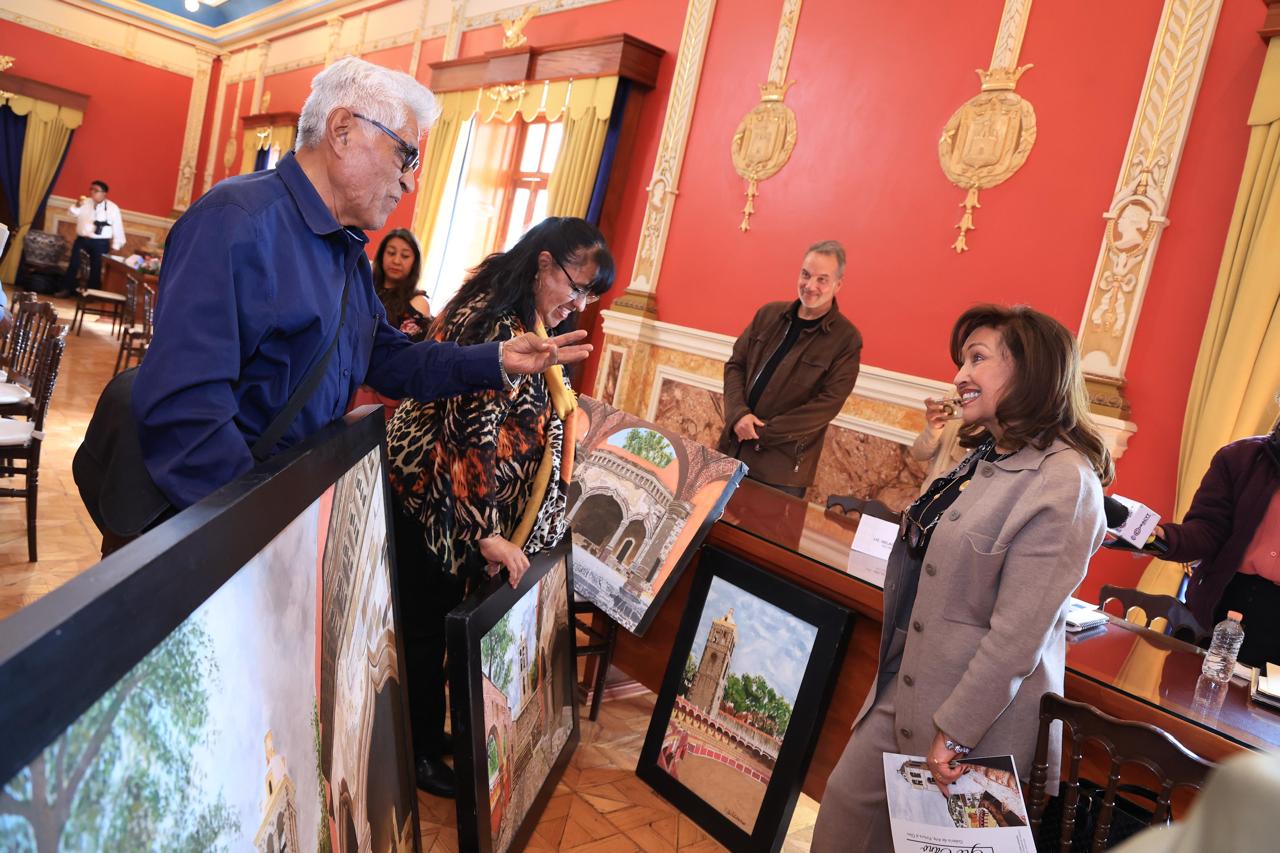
(579, 291)
(408, 153)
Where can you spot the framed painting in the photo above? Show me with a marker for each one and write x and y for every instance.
(229, 681)
(741, 705)
(513, 700)
(641, 501)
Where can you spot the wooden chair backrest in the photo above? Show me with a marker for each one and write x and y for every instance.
(32, 322)
(1125, 743)
(1178, 620)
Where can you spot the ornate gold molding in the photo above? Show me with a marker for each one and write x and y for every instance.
(1137, 214)
(453, 36)
(264, 48)
(333, 35)
(989, 138)
(219, 103)
(639, 296)
(416, 56)
(513, 28)
(765, 138)
(191, 138)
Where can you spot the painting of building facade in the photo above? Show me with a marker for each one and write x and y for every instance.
(369, 798)
(641, 500)
(737, 718)
(514, 707)
(207, 743)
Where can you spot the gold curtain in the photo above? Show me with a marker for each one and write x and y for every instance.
(262, 138)
(586, 124)
(49, 127)
(456, 109)
(1238, 370)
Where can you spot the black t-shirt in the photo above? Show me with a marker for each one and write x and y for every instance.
(766, 373)
(942, 493)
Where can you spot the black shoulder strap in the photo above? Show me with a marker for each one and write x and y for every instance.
(275, 430)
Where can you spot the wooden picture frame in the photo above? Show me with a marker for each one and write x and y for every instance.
(508, 758)
(229, 605)
(727, 768)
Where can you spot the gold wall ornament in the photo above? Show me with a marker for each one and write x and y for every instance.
(1136, 217)
(990, 136)
(505, 92)
(6, 62)
(513, 28)
(266, 101)
(763, 142)
(766, 136)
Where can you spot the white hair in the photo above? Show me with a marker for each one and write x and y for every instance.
(378, 93)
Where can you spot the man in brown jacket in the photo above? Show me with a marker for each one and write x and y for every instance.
(789, 374)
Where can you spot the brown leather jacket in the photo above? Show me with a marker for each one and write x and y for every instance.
(804, 394)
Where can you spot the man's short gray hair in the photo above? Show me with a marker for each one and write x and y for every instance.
(378, 93)
(831, 248)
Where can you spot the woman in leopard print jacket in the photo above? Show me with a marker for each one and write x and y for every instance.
(462, 469)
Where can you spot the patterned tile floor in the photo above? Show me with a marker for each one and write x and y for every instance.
(599, 805)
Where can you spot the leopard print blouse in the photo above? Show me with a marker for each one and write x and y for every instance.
(464, 466)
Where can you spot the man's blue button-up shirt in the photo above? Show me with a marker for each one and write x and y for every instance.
(249, 299)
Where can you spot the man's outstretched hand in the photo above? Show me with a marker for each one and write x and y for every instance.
(532, 354)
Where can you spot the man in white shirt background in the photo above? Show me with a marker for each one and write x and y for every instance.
(99, 229)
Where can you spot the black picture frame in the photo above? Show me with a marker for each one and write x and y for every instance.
(832, 624)
(466, 627)
(65, 651)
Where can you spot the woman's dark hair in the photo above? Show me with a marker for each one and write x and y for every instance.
(505, 280)
(396, 301)
(1046, 398)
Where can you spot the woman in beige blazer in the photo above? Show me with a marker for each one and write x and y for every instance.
(977, 585)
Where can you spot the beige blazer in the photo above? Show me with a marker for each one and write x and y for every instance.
(986, 638)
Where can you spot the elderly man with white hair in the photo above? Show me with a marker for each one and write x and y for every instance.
(267, 319)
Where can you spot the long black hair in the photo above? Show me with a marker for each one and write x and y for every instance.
(505, 280)
(396, 301)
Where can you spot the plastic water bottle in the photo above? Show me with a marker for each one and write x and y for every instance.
(1220, 662)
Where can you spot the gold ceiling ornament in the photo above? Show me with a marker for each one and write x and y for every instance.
(513, 28)
(6, 62)
(989, 138)
(766, 136)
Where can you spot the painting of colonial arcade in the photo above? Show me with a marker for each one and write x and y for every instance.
(734, 702)
(641, 500)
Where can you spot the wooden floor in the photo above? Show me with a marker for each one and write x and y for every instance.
(599, 805)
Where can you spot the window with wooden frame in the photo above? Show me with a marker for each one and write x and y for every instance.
(525, 201)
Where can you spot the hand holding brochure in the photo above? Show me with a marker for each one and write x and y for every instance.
(984, 811)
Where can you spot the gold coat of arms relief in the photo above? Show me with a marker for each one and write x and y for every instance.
(763, 143)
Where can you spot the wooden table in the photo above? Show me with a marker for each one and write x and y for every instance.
(1124, 670)
(114, 274)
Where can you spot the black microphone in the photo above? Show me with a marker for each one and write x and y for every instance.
(1116, 512)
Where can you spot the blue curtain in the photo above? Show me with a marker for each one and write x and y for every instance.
(261, 158)
(13, 129)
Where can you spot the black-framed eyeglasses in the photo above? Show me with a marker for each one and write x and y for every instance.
(408, 153)
(578, 291)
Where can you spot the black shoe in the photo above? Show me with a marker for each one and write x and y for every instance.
(436, 778)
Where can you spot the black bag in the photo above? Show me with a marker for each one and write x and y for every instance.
(111, 474)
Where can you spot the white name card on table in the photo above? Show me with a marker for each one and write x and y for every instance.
(875, 536)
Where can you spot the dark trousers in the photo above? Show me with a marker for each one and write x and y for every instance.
(96, 247)
(1258, 601)
(426, 594)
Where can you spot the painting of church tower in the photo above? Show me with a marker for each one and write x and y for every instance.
(278, 832)
(708, 685)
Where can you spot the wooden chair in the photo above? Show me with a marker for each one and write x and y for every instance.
(600, 647)
(1178, 620)
(90, 300)
(32, 322)
(12, 334)
(135, 339)
(1125, 744)
(20, 441)
(871, 507)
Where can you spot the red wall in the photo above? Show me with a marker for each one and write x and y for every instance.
(133, 108)
(870, 103)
